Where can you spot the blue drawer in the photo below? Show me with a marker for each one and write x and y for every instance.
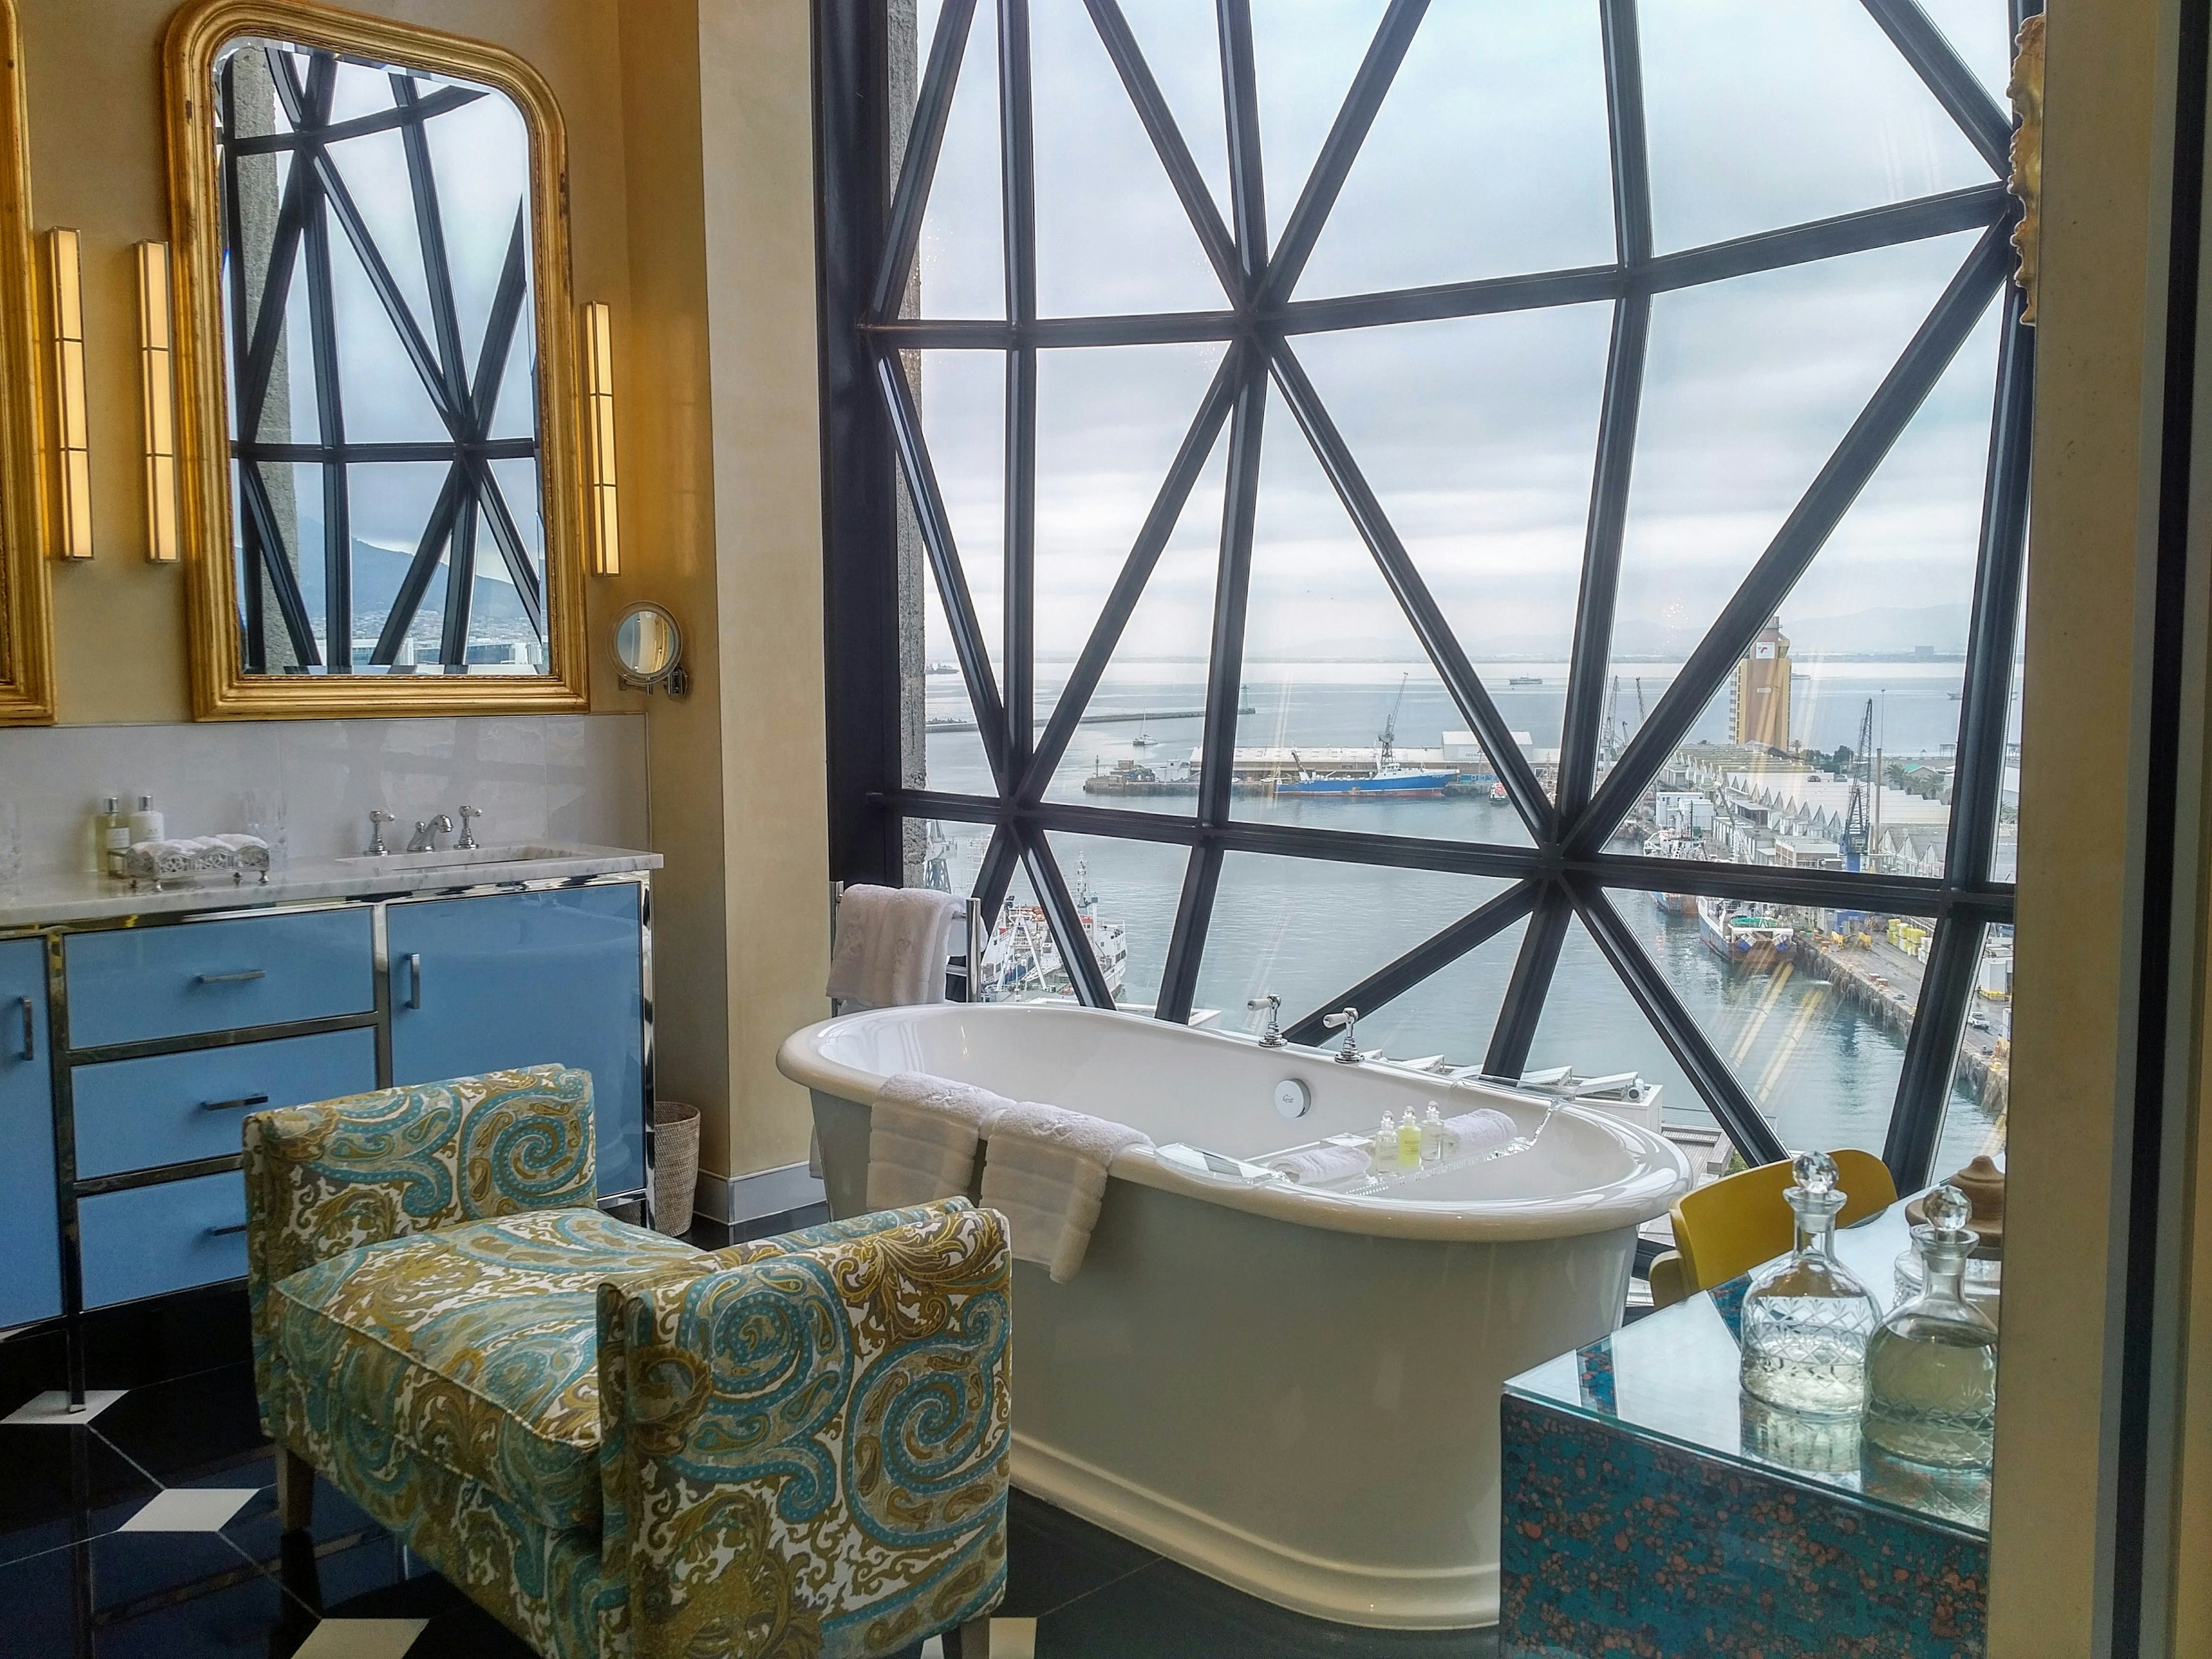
(173, 1108)
(137, 983)
(169, 1237)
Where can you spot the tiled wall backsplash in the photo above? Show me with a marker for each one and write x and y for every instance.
(535, 777)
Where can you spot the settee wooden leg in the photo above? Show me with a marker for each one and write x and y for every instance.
(970, 1641)
(295, 1489)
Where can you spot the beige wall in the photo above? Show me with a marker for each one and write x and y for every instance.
(715, 375)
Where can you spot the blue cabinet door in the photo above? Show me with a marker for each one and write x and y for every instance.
(528, 979)
(30, 1226)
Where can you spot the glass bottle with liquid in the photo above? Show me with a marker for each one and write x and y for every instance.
(1932, 1366)
(1806, 1321)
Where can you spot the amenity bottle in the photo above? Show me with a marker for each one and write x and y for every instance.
(1805, 1322)
(1386, 1145)
(1409, 1142)
(1932, 1367)
(145, 823)
(1432, 1135)
(111, 836)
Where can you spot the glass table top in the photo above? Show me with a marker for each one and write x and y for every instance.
(1672, 1377)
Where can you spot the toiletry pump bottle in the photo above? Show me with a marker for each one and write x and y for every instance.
(1386, 1145)
(1409, 1142)
(111, 836)
(1432, 1135)
(145, 823)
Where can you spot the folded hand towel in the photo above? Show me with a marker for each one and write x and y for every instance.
(1483, 1131)
(891, 946)
(251, 851)
(1045, 1171)
(922, 1132)
(192, 855)
(1317, 1165)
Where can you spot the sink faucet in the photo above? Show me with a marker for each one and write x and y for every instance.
(377, 820)
(468, 840)
(1349, 1020)
(1273, 1036)
(425, 838)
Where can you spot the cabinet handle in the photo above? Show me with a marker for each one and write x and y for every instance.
(414, 979)
(234, 1227)
(30, 1029)
(233, 1105)
(238, 978)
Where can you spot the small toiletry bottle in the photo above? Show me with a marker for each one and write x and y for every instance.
(1386, 1145)
(110, 837)
(145, 823)
(1432, 1135)
(1409, 1142)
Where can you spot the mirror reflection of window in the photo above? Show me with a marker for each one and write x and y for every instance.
(379, 334)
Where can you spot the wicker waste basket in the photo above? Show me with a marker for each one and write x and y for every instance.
(675, 1165)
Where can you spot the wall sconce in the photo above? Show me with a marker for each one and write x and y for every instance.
(72, 527)
(157, 397)
(600, 439)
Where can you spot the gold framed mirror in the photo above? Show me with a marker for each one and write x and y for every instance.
(376, 375)
(27, 635)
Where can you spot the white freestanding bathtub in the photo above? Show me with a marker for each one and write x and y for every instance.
(1290, 1390)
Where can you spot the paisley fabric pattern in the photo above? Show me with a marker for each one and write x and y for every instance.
(621, 1446)
(340, 1174)
(476, 1345)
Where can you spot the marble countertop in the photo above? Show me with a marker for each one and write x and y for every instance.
(39, 901)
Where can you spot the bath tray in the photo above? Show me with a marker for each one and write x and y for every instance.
(1371, 1182)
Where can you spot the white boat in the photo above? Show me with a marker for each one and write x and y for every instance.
(1744, 936)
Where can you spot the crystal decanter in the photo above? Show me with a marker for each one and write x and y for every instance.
(1806, 1321)
(1932, 1367)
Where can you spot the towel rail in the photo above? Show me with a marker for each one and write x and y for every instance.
(963, 965)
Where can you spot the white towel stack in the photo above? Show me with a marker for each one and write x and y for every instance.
(1045, 1171)
(891, 946)
(1319, 1165)
(922, 1132)
(173, 859)
(1482, 1131)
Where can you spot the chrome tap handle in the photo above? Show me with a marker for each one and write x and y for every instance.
(1273, 1036)
(469, 815)
(377, 820)
(1348, 1054)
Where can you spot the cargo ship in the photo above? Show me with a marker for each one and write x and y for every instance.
(1398, 782)
(1743, 937)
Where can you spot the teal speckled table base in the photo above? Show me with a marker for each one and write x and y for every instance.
(1619, 1544)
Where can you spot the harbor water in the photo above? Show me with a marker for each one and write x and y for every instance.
(1819, 1063)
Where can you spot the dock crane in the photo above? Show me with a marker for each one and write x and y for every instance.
(1385, 740)
(1857, 837)
(1608, 728)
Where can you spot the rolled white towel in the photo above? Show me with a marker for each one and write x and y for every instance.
(1045, 1171)
(167, 859)
(1482, 1131)
(891, 946)
(250, 852)
(1317, 1165)
(922, 1132)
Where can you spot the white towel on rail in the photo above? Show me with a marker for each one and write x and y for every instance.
(922, 1132)
(1045, 1171)
(891, 946)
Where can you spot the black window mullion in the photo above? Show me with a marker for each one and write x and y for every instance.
(429, 229)
(1201, 880)
(993, 879)
(1931, 1051)
(1232, 585)
(408, 601)
(1439, 951)
(1240, 103)
(329, 411)
(1957, 88)
(1018, 180)
(267, 539)
(932, 104)
(460, 586)
(1522, 1009)
(331, 132)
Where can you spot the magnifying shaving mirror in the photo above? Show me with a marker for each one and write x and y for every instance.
(650, 647)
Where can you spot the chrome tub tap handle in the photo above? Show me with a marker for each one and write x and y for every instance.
(1348, 1019)
(1273, 1036)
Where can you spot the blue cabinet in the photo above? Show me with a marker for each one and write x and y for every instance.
(171, 1236)
(30, 1247)
(485, 983)
(134, 984)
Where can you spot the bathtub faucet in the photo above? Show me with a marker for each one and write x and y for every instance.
(1348, 1019)
(1273, 1036)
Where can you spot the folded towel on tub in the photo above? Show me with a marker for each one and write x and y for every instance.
(1317, 1165)
(891, 946)
(1045, 1171)
(922, 1132)
(1483, 1131)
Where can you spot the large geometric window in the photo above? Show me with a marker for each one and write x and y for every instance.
(1476, 512)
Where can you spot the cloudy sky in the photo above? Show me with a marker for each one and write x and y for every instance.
(1488, 158)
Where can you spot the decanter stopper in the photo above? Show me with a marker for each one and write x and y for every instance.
(1815, 1173)
(1948, 1211)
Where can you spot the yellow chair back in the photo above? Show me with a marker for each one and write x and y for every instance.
(1731, 1226)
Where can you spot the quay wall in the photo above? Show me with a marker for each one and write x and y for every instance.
(1990, 1073)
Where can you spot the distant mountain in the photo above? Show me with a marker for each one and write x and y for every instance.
(495, 608)
(1885, 631)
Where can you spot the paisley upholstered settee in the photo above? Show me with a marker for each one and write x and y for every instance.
(618, 1444)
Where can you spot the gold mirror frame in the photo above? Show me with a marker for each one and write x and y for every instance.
(221, 689)
(27, 629)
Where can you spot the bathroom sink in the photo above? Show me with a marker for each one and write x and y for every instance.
(456, 857)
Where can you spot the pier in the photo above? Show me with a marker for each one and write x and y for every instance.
(1886, 983)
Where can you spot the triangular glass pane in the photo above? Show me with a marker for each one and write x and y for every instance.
(1855, 688)
(1137, 747)
(374, 167)
(1748, 386)
(1112, 237)
(1109, 422)
(1310, 930)
(944, 854)
(1760, 116)
(1128, 890)
(1810, 1008)
(516, 414)
(1482, 78)
(519, 487)
(1974, 1112)
(952, 757)
(963, 398)
(388, 504)
(384, 398)
(1447, 1019)
(480, 155)
(963, 266)
(358, 90)
(294, 489)
(1349, 725)
(1182, 46)
(1980, 31)
(1591, 1025)
(1304, 53)
(1479, 435)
